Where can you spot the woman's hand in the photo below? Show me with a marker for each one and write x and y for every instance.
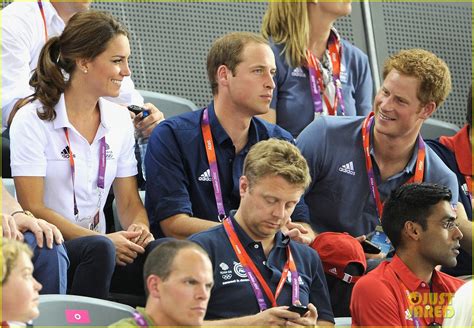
(42, 230)
(9, 227)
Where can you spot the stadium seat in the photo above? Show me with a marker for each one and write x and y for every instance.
(73, 310)
(9, 186)
(433, 128)
(168, 104)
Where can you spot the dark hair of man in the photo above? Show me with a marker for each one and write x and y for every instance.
(469, 107)
(411, 202)
(227, 50)
(160, 261)
(86, 35)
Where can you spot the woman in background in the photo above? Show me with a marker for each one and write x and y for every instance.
(318, 73)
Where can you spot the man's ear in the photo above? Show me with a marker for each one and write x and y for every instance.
(412, 230)
(222, 75)
(243, 185)
(153, 283)
(427, 110)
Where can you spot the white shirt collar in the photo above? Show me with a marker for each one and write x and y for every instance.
(106, 115)
(62, 121)
(55, 24)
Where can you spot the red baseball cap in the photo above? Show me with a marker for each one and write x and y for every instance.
(336, 251)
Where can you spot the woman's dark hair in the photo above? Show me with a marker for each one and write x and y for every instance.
(86, 35)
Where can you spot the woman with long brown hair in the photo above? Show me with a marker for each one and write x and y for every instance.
(70, 146)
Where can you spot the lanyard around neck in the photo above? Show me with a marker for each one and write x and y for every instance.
(101, 175)
(419, 167)
(43, 16)
(212, 160)
(255, 277)
(316, 77)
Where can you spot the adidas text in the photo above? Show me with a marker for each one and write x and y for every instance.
(348, 168)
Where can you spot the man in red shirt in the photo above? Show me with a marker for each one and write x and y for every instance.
(456, 153)
(408, 291)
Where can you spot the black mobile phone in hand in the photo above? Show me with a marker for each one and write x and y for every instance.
(370, 248)
(300, 309)
(137, 110)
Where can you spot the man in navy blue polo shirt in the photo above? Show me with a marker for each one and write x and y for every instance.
(357, 162)
(192, 187)
(258, 271)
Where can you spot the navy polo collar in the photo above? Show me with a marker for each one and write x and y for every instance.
(221, 136)
(281, 240)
